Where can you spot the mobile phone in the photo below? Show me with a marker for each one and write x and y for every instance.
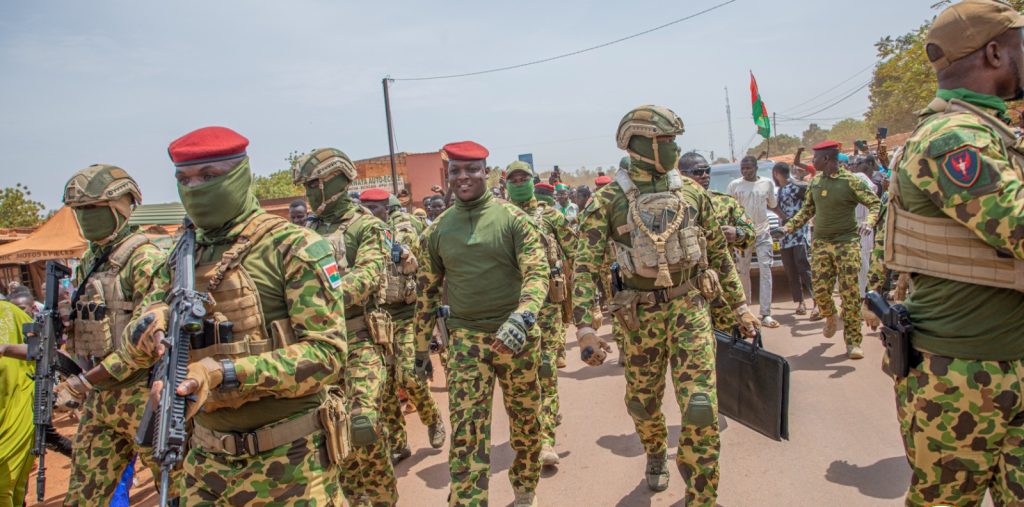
(882, 133)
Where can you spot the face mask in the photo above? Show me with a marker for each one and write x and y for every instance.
(97, 223)
(520, 192)
(328, 192)
(217, 202)
(642, 149)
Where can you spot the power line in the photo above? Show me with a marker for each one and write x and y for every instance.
(573, 53)
(841, 83)
(833, 104)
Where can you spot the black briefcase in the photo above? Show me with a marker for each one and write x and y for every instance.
(753, 385)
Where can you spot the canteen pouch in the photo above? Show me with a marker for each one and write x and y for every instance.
(623, 307)
(334, 420)
(557, 288)
(709, 285)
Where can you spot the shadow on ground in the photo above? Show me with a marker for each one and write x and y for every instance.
(813, 360)
(886, 479)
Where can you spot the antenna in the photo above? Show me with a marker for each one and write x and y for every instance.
(728, 116)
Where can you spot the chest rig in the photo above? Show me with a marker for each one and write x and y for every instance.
(399, 287)
(235, 325)
(940, 246)
(663, 237)
(101, 312)
(557, 289)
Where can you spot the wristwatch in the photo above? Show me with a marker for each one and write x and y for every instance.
(530, 319)
(230, 382)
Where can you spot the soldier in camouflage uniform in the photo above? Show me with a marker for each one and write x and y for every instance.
(490, 255)
(114, 276)
(662, 310)
(359, 242)
(954, 221)
(400, 297)
(560, 245)
(736, 226)
(266, 428)
(832, 199)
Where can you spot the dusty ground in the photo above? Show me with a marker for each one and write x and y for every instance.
(844, 446)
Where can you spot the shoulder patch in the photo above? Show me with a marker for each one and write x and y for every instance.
(962, 166)
(330, 272)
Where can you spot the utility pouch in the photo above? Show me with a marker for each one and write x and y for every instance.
(334, 420)
(556, 288)
(709, 285)
(381, 329)
(623, 307)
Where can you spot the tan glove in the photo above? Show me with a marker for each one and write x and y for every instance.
(749, 323)
(203, 377)
(143, 347)
(593, 350)
(408, 265)
(598, 317)
(70, 394)
(869, 317)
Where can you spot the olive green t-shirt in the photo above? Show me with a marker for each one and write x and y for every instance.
(835, 203)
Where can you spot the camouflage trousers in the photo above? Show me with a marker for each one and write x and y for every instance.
(105, 443)
(473, 368)
(723, 318)
(832, 263)
(552, 340)
(367, 475)
(298, 474)
(675, 334)
(402, 376)
(963, 429)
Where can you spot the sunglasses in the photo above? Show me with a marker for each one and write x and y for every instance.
(699, 172)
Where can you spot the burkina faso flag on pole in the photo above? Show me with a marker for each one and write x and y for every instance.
(764, 125)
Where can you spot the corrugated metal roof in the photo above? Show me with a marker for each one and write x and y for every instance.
(169, 213)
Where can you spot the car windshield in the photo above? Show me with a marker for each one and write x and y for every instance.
(722, 174)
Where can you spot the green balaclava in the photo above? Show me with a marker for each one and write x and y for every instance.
(324, 197)
(99, 223)
(519, 192)
(218, 201)
(668, 154)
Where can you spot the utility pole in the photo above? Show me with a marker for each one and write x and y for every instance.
(728, 115)
(775, 125)
(391, 136)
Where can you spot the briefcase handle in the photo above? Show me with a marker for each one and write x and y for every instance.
(737, 336)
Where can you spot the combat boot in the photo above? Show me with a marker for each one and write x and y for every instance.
(436, 433)
(657, 472)
(854, 352)
(548, 457)
(398, 455)
(525, 500)
(831, 325)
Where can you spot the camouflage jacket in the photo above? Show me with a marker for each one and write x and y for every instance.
(556, 225)
(366, 255)
(290, 269)
(606, 213)
(729, 212)
(489, 254)
(958, 165)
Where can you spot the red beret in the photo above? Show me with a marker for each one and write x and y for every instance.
(208, 144)
(828, 145)
(374, 194)
(602, 180)
(465, 150)
(544, 188)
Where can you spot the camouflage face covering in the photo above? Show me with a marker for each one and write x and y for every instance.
(520, 192)
(98, 223)
(668, 154)
(217, 202)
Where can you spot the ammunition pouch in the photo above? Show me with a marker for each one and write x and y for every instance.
(381, 328)
(334, 420)
(557, 288)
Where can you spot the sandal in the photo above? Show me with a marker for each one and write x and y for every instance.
(815, 316)
(769, 322)
(801, 310)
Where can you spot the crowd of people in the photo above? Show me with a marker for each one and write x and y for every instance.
(317, 326)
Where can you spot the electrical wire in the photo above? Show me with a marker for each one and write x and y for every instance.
(573, 53)
(833, 104)
(841, 83)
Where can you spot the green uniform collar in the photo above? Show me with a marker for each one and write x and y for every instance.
(475, 203)
(978, 99)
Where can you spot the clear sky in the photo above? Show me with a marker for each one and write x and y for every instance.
(116, 81)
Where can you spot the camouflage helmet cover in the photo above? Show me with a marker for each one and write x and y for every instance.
(648, 121)
(321, 164)
(100, 184)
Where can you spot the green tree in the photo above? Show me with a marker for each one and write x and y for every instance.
(720, 160)
(814, 135)
(903, 83)
(849, 130)
(278, 184)
(780, 145)
(17, 209)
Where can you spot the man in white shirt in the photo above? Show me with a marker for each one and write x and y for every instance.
(757, 195)
(863, 169)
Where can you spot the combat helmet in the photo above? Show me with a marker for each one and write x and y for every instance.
(100, 184)
(321, 164)
(648, 121)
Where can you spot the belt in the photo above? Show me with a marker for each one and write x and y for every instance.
(650, 297)
(257, 441)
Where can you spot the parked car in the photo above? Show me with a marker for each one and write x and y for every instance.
(722, 174)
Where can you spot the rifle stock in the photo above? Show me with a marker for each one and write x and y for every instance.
(41, 342)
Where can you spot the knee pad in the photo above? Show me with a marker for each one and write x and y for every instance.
(363, 432)
(699, 411)
(637, 410)
(545, 370)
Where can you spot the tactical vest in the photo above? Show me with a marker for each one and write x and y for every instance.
(663, 237)
(235, 299)
(399, 288)
(553, 253)
(942, 247)
(102, 312)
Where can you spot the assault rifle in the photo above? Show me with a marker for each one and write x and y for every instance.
(163, 425)
(41, 344)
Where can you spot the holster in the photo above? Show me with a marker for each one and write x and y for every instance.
(334, 419)
(623, 307)
(901, 355)
(709, 285)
